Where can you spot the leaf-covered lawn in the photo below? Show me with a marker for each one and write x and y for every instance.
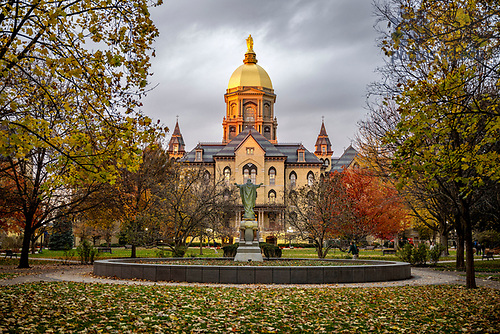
(98, 308)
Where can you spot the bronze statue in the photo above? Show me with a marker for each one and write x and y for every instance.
(248, 193)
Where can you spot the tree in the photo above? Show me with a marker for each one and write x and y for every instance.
(67, 111)
(61, 237)
(191, 200)
(443, 76)
(320, 211)
(377, 207)
(137, 196)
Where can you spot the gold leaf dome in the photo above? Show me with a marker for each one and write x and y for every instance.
(250, 74)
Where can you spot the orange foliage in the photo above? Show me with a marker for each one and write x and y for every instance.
(377, 207)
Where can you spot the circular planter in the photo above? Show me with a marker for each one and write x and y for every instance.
(369, 271)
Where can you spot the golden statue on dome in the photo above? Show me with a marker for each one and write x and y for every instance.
(250, 43)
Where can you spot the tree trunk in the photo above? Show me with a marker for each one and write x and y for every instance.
(443, 240)
(460, 263)
(133, 253)
(24, 261)
(470, 274)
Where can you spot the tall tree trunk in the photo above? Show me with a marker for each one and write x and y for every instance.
(134, 252)
(470, 274)
(443, 240)
(24, 261)
(460, 263)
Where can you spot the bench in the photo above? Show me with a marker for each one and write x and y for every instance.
(10, 253)
(104, 250)
(488, 255)
(388, 251)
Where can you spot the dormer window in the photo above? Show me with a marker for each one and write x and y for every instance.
(199, 155)
(250, 150)
(301, 156)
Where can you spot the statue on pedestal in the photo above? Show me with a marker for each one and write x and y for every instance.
(248, 193)
(248, 249)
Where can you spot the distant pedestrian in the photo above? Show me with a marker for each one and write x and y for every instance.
(353, 250)
(479, 248)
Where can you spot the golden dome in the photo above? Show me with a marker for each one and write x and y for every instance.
(250, 74)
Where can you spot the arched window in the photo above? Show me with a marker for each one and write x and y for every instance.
(227, 175)
(327, 162)
(272, 197)
(250, 172)
(250, 115)
(293, 180)
(310, 178)
(253, 175)
(272, 176)
(206, 176)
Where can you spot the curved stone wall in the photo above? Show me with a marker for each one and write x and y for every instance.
(375, 271)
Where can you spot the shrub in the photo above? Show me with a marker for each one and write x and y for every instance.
(435, 253)
(405, 253)
(162, 253)
(179, 251)
(86, 252)
(414, 255)
(270, 250)
(230, 250)
(420, 254)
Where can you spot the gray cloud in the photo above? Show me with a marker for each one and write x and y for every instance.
(320, 56)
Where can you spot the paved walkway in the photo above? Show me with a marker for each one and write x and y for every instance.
(420, 276)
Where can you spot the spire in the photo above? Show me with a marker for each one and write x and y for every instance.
(176, 148)
(323, 147)
(250, 57)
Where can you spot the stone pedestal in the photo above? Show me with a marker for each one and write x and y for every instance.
(249, 249)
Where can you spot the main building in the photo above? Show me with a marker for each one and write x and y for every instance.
(250, 148)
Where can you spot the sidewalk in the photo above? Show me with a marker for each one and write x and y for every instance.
(83, 274)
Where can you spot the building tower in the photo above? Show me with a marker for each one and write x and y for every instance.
(323, 147)
(176, 144)
(250, 100)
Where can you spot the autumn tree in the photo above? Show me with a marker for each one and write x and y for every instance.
(443, 76)
(71, 76)
(137, 196)
(191, 199)
(319, 211)
(376, 206)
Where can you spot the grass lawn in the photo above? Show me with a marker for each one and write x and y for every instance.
(97, 308)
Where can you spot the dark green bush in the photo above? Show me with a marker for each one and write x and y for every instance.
(435, 253)
(86, 252)
(230, 250)
(414, 255)
(270, 251)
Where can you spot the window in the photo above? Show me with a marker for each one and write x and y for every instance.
(249, 150)
(272, 197)
(176, 148)
(301, 156)
(199, 154)
(327, 162)
(250, 114)
(272, 176)
(310, 178)
(250, 172)
(227, 175)
(293, 179)
(323, 149)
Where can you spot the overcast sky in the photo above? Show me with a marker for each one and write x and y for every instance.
(319, 54)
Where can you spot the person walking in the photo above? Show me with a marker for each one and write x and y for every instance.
(353, 249)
